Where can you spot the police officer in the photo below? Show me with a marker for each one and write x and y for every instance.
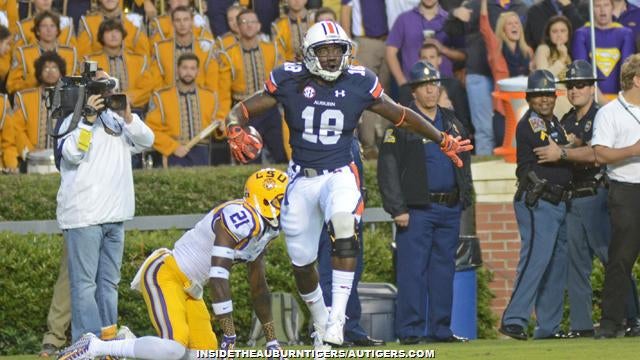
(540, 207)
(425, 194)
(588, 225)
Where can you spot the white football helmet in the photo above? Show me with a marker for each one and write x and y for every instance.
(322, 33)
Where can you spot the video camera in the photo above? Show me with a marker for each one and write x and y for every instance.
(65, 98)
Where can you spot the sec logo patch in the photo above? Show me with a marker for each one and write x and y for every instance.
(309, 92)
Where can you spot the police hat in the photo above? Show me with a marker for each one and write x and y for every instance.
(422, 72)
(579, 70)
(541, 81)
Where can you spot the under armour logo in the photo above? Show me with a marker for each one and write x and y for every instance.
(341, 93)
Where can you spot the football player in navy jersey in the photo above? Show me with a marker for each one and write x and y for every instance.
(323, 98)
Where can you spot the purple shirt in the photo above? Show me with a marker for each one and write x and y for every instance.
(614, 45)
(631, 19)
(406, 35)
(369, 18)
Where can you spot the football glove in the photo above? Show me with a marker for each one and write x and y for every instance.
(451, 146)
(244, 146)
(228, 344)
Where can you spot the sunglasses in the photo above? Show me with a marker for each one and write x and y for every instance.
(578, 84)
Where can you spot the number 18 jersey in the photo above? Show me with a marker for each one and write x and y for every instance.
(322, 116)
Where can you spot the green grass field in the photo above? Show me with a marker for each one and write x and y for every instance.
(626, 348)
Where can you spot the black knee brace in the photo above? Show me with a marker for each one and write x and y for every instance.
(343, 247)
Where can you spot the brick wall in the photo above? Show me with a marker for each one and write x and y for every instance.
(500, 241)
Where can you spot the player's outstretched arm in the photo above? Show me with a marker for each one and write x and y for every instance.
(402, 116)
(254, 105)
(244, 146)
(221, 262)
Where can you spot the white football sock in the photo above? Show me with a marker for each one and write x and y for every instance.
(315, 303)
(342, 281)
(144, 348)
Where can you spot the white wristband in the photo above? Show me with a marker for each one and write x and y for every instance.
(223, 252)
(218, 272)
(222, 308)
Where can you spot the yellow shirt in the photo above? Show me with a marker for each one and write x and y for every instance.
(22, 74)
(165, 120)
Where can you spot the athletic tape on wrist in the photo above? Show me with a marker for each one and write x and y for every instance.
(222, 308)
(218, 272)
(223, 252)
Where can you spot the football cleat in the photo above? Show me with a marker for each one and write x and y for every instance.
(276, 348)
(334, 333)
(78, 350)
(318, 344)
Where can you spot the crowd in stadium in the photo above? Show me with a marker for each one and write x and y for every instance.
(186, 65)
(142, 41)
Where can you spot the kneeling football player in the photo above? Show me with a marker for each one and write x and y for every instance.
(171, 281)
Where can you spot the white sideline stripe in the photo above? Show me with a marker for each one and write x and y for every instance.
(158, 222)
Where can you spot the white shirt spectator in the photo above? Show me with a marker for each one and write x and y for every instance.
(617, 125)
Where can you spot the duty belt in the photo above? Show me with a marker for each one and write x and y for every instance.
(449, 199)
(585, 189)
(555, 194)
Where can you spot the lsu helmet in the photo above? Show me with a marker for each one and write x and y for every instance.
(322, 33)
(264, 191)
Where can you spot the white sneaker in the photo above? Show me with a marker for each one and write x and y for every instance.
(318, 344)
(334, 333)
(125, 333)
(78, 350)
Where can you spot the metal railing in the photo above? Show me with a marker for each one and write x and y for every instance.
(157, 222)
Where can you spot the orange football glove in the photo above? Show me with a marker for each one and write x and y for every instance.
(244, 146)
(451, 146)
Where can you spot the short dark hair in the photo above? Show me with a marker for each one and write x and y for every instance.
(43, 15)
(183, 9)
(49, 56)
(188, 56)
(325, 10)
(4, 32)
(244, 12)
(108, 25)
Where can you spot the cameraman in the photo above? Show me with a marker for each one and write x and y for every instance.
(96, 195)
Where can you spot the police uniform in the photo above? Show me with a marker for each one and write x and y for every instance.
(588, 225)
(322, 174)
(540, 213)
(415, 177)
(171, 281)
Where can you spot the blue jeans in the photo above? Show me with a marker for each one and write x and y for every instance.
(95, 256)
(542, 268)
(479, 88)
(426, 264)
